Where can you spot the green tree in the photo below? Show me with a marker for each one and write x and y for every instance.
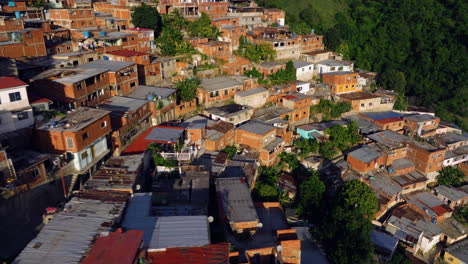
(394, 80)
(450, 176)
(253, 73)
(187, 89)
(265, 192)
(338, 136)
(231, 151)
(306, 146)
(311, 192)
(327, 150)
(145, 16)
(290, 159)
(356, 195)
(167, 42)
(339, 108)
(461, 215)
(202, 28)
(353, 133)
(255, 53)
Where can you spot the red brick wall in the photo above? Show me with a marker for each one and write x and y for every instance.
(55, 141)
(426, 162)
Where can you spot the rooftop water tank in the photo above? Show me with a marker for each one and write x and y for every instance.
(102, 33)
(86, 34)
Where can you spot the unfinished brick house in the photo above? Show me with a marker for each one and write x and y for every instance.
(123, 76)
(342, 82)
(262, 138)
(23, 43)
(162, 102)
(71, 88)
(73, 18)
(221, 89)
(300, 105)
(147, 72)
(387, 120)
(421, 125)
(219, 135)
(129, 117)
(81, 136)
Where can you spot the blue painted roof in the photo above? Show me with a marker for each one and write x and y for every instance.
(382, 115)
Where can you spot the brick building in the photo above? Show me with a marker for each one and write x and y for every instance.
(162, 102)
(220, 89)
(129, 117)
(421, 125)
(27, 42)
(81, 135)
(262, 138)
(73, 18)
(123, 76)
(386, 120)
(219, 135)
(300, 105)
(364, 101)
(70, 88)
(342, 82)
(268, 68)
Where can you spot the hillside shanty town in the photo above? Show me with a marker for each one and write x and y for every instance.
(208, 131)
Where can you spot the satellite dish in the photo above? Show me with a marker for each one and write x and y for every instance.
(210, 219)
(138, 187)
(259, 225)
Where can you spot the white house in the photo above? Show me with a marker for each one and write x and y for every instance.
(302, 87)
(326, 66)
(15, 111)
(304, 70)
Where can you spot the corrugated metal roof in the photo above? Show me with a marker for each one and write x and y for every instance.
(117, 248)
(143, 91)
(122, 104)
(255, 127)
(381, 115)
(69, 234)
(236, 200)
(112, 66)
(365, 154)
(211, 254)
(180, 231)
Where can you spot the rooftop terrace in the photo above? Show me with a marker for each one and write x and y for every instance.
(75, 121)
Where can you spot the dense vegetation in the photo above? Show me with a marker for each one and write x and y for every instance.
(450, 176)
(171, 42)
(419, 46)
(277, 78)
(344, 228)
(255, 52)
(146, 16)
(187, 89)
(329, 109)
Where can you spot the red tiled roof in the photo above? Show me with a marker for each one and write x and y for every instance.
(127, 53)
(10, 82)
(116, 248)
(141, 143)
(440, 209)
(34, 99)
(211, 254)
(289, 97)
(389, 120)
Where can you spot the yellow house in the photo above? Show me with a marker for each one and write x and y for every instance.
(456, 254)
